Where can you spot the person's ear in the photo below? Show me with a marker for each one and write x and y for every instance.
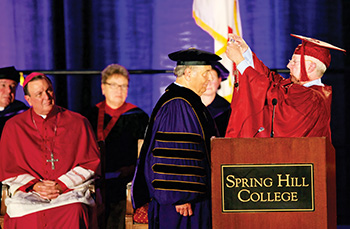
(219, 84)
(28, 99)
(311, 66)
(103, 88)
(187, 74)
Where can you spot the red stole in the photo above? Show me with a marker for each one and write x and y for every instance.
(103, 133)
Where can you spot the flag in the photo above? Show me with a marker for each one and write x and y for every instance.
(218, 18)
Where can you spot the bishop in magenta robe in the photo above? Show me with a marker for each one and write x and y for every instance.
(59, 148)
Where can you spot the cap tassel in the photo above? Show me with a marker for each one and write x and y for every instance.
(21, 78)
(303, 74)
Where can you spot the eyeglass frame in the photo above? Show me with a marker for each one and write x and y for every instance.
(117, 86)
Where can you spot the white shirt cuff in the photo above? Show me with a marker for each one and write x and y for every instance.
(241, 67)
(248, 61)
(248, 56)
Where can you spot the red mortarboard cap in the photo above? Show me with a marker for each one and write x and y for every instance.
(314, 48)
(9, 73)
(31, 76)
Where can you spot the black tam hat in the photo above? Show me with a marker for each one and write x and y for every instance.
(223, 73)
(9, 73)
(193, 56)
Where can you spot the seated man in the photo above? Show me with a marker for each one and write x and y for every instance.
(49, 156)
(9, 107)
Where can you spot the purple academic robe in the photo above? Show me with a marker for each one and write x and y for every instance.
(174, 165)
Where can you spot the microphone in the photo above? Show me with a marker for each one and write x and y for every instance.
(260, 130)
(274, 102)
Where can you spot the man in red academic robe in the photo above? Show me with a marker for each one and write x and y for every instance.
(265, 104)
(49, 156)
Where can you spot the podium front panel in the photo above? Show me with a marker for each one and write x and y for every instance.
(273, 183)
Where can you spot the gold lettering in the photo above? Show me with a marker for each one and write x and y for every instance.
(255, 200)
(233, 182)
(269, 197)
(288, 196)
(245, 195)
(228, 179)
(304, 185)
(280, 180)
(238, 182)
(239, 195)
(294, 196)
(262, 197)
(268, 182)
(296, 182)
(257, 182)
(245, 183)
(251, 182)
(277, 196)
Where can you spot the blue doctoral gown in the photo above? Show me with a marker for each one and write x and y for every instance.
(174, 164)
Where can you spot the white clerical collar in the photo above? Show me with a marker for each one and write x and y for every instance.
(178, 84)
(43, 116)
(317, 82)
(2, 108)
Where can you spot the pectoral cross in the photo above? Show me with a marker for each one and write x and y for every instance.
(52, 161)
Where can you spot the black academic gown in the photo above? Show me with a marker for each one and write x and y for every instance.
(220, 110)
(120, 147)
(11, 110)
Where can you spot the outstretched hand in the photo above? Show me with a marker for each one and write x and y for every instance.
(239, 41)
(236, 46)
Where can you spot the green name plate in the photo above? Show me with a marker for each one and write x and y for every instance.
(270, 187)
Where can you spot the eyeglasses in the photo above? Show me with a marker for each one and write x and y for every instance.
(116, 86)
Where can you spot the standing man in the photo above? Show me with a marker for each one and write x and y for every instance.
(219, 108)
(118, 126)
(9, 107)
(296, 107)
(49, 156)
(173, 171)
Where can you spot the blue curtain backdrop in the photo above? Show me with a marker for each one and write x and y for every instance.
(139, 34)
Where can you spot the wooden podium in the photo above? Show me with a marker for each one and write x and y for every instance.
(273, 183)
